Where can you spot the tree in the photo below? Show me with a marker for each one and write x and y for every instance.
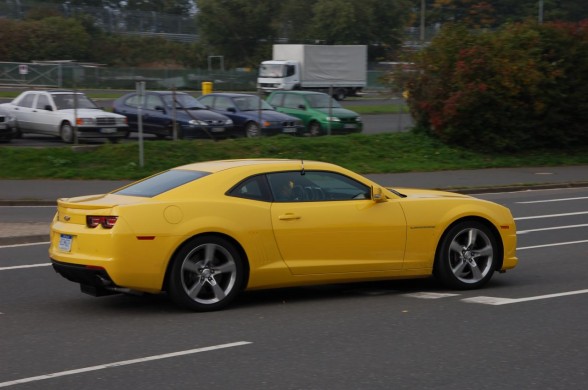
(240, 30)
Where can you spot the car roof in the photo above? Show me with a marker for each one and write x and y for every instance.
(228, 94)
(302, 92)
(256, 164)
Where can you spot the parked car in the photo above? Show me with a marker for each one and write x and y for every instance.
(59, 113)
(252, 116)
(204, 232)
(319, 112)
(158, 111)
(7, 129)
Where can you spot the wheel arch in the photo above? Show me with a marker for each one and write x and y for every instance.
(233, 241)
(486, 223)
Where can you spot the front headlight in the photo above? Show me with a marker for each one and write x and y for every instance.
(196, 122)
(85, 121)
(333, 119)
(229, 122)
(121, 121)
(358, 119)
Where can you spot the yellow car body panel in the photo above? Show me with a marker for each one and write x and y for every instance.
(283, 244)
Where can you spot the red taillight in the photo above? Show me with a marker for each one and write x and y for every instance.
(107, 222)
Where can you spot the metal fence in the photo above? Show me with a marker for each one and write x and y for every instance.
(76, 75)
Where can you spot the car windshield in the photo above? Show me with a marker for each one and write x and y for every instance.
(183, 101)
(271, 70)
(161, 183)
(251, 103)
(67, 101)
(322, 101)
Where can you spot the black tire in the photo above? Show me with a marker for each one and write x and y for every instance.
(340, 94)
(66, 132)
(207, 274)
(467, 256)
(314, 129)
(252, 130)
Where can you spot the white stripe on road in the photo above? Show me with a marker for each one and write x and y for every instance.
(553, 200)
(551, 228)
(122, 363)
(554, 244)
(24, 266)
(429, 295)
(27, 244)
(506, 301)
(551, 216)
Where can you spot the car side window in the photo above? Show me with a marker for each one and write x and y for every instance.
(43, 102)
(315, 186)
(207, 101)
(153, 101)
(133, 101)
(223, 103)
(293, 101)
(27, 101)
(254, 188)
(276, 100)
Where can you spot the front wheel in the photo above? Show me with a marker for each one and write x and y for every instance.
(207, 274)
(467, 256)
(252, 130)
(66, 132)
(314, 129)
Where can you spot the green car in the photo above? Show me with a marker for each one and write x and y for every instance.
(320, 113)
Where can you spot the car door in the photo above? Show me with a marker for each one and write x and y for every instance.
(22, 111)
(155, 117)
(129, 109)
(295, 105)
(330, 224)
(44, 116)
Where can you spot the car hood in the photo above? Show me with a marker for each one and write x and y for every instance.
(338, 112)
(428, 194)
(201, 114)
(268, 115)
(89, 112)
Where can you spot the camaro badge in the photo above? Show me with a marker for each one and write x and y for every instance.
(66, 218)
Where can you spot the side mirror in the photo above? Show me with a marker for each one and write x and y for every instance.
(231, 109)
(302, 106)
(48, 108)
(377, 195)
(160, 108)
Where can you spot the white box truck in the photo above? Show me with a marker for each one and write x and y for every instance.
(341, 69)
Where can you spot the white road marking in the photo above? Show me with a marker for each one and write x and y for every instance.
(551, 216)
(551, 228)
(554, 244)
(553, 200)
(429, 295)
(24, 266)
(506, 301)
(27, 244)
(122, 363)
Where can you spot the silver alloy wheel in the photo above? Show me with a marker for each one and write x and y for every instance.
(471, 255)
(208, 273)
(314, 129)
(66, 132)
(252, 130)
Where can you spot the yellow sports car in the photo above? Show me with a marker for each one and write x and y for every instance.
(206, 231)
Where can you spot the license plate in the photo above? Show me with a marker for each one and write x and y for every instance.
(289, 130)
(108, 130)
(218, 129)
(349, 126)
(65, 242)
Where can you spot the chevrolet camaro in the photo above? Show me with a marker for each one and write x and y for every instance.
(204, 232)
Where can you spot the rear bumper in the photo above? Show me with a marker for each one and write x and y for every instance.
(94, 281)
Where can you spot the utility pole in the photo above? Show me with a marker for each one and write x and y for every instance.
(422, 21)
(540, 17)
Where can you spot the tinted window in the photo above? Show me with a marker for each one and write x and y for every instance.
(315, 186)
(183, 100)
(152, 102)
(252, 188)
(161, 183)
(133, 101)
(293, 101)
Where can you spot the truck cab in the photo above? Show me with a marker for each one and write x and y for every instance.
(278, 75)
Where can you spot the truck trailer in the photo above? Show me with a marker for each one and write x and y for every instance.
(338, 69)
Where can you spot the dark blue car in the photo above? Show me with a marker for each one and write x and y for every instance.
(252, 116)
(158, 112)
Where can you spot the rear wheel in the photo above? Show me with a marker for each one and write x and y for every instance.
(340, 94)
(207, 274)
(467, 257)
(66, 132)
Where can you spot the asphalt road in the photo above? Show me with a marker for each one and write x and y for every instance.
(525, 330)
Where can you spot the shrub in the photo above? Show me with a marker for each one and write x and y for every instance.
(524, 86)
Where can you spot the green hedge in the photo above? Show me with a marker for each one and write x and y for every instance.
(522, 87)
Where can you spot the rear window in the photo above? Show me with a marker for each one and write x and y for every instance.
(161, 183)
